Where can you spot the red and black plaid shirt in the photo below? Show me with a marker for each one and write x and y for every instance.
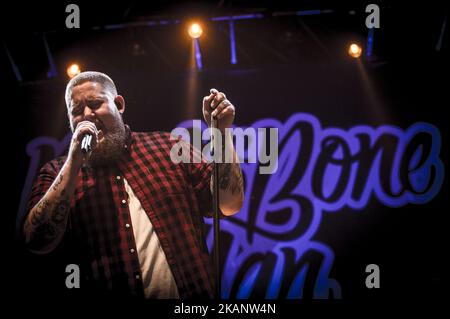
(175, 198)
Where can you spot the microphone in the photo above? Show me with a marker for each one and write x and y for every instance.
(86, 143)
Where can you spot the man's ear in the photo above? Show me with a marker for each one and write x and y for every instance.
(120, 103)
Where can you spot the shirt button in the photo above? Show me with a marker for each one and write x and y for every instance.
(124, 201)
(132, 250)
(137, 276)
(118, 177)
(127, 225)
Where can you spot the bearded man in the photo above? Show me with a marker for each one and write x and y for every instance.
(134, 219)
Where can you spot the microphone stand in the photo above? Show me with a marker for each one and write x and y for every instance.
(214, 124)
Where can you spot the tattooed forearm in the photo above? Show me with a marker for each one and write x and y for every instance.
(60, 213)
(39, 215)
(47, 220)
(231, 188)
(55, 187)
(230, 178)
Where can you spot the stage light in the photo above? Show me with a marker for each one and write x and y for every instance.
(195, 30)
(354, 50)
(73, 70)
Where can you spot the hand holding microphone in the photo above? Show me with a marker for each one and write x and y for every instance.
(84, 140)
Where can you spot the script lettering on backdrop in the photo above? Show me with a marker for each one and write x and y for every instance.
(270, 245)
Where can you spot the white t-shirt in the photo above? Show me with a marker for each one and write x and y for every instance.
(156, 274)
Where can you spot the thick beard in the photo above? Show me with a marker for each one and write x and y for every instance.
(111, 147)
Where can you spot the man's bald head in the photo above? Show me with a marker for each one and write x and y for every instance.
(90, 76)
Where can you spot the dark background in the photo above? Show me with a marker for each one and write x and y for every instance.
(286, 64)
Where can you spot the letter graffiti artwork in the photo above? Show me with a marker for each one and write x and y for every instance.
(268, 246)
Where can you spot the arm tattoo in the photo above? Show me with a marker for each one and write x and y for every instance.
(230, 175)
(49, 218)
(39, 215)
(230, 178)
(55, 187)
